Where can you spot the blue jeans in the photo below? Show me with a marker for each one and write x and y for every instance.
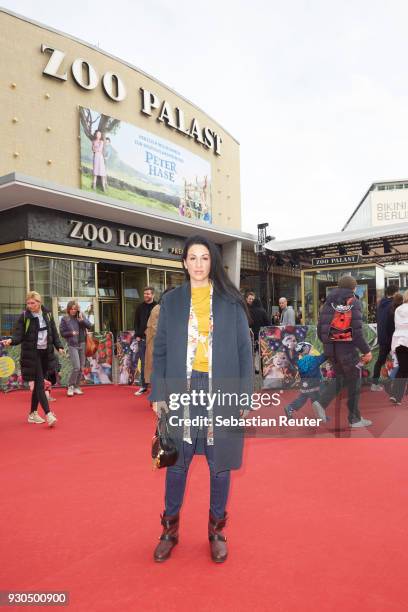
(176, 476)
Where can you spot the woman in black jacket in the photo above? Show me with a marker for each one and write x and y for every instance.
(37, 334)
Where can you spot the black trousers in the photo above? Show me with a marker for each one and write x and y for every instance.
(385, 349)
(38, 395)
(400, 381)
(345, 360)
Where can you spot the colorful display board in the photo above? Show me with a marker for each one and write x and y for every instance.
(280, 351)
(97, 371)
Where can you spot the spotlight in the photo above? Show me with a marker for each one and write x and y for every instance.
(262, 225)
(342, 250)
(365, 248)
(294, 261)
(386, 245)
(279, 261)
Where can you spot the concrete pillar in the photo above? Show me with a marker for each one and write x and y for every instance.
(231, 259)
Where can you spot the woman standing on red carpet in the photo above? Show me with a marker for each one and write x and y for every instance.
(36, 332)
(202, 352)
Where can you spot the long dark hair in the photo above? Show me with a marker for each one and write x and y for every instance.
(222, 284)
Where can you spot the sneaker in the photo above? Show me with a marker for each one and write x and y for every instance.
(375, 387)
(141, 391)
(289, 411)
(34, 417)
(319, 411)
(70, 391)
(51, 419)
(52, 399)
(361, 423)
(78, 391)
(394, 401)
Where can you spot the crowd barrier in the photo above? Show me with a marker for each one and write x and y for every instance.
(279, 357)
(97, 371)
(277, 351)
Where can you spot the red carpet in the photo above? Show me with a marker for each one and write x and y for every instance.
(314, 524)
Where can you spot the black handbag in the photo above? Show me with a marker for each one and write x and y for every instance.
(164, 451)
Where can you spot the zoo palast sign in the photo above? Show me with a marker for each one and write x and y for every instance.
(86, 77)
(335, 261)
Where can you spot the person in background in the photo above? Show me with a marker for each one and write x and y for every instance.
(143, 312)
(385, 330)
(287, 313)
(73, 328)
(36, 332)
(399, 344)
(310, 375)
(276, 319)
(343, 350)
(258, 319)
(151, 330)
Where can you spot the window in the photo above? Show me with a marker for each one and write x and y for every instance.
(50, 277)
(174, 279)
(156, 280)
(134, 281)
(84, 279)
(12, 293)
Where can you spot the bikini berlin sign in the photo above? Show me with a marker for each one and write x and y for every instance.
(173, 117)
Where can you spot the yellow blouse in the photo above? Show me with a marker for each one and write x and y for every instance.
(201, 306)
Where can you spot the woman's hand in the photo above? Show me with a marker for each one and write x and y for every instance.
(6, 342)
(61, 351)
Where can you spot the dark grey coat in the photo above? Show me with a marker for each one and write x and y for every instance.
(232, 366)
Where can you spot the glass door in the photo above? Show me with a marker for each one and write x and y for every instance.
(109, 316)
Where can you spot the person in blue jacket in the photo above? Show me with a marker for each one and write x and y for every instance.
(310, 377)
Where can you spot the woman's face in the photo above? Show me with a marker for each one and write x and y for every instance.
(98, 135)
(73, 310)
(280, 360)
(198, 264)
(33, 305)
(289, 342)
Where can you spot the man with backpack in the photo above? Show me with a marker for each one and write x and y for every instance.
(340, 329)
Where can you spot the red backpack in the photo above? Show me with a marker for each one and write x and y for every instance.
(341, 329)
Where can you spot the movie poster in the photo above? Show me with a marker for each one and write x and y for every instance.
(283, 348)
(127, 163)
(128, 358)
(97, 370)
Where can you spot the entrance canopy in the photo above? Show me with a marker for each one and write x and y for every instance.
(385, 243)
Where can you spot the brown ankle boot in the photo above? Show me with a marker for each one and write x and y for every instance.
(218, 542)
(168, 538)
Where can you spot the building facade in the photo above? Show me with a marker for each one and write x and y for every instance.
(104, 171)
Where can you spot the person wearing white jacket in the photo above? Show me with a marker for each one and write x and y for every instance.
(399, 344)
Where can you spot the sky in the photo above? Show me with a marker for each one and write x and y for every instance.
(316, 92)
